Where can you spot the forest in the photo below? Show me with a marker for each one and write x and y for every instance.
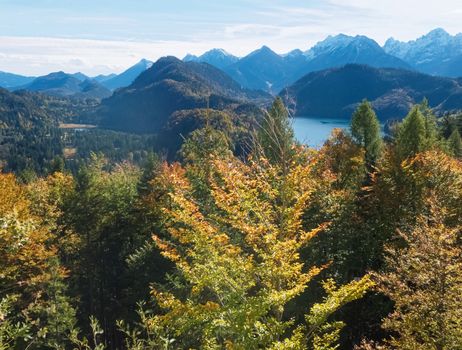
(238, 242)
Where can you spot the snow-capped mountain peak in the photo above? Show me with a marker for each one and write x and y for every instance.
(428, 52)
(216, 57)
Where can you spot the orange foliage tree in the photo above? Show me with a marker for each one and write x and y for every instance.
(238, 264)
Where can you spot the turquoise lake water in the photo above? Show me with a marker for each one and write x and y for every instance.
(314, 131)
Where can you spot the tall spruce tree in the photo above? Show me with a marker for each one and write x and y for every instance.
(365, 129)
(431, 130)
(411, 134)
(418, 132)
(455, 143)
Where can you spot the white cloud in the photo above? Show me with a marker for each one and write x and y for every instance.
(281, 24)
(403, 19)
(240, 30)
(40, 55)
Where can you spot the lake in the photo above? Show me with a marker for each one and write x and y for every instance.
(314, 131)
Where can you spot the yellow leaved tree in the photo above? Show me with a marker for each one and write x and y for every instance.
(34, 311)
(238, 264)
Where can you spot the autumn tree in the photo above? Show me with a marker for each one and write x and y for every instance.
(32, 278)
(401, 192)
(353, 241)
(338, 174)
(238, 267)
(424, 280)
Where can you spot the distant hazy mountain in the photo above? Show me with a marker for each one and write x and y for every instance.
(66, 85)
(451, 67)
(91, 88)
(262, 69)
(216, 57)
(126, 78)
(171, 85)
(335, 93)
(266, 70)
(102, 77)
(336, 51)
(437, 53)
(10, 81)
(80, 76)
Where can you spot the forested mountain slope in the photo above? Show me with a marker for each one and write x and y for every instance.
(335, 93)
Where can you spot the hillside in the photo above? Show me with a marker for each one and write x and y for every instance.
(67, 85)
(171, 85)
(10, 80)
(334, 93)
(23, 110)
(29, 133)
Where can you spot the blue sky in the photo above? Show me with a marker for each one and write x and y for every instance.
(102, 36)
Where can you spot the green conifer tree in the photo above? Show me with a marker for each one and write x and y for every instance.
(411, 134)
(365, 129)
(455, 143)
(431, 130)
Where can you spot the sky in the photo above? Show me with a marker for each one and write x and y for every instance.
(105, 36)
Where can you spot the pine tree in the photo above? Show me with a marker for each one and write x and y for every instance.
(431, 129)
(418, 132)
(365, 129)
(412, 134)
(107, 236)
(455, 143)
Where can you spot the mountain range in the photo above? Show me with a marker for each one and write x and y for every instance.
(67, 85)
(172, 88)
(76, 85)
(437, 53)
(336, 92)
(328, 80)
(263, 69)
(172, 98)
